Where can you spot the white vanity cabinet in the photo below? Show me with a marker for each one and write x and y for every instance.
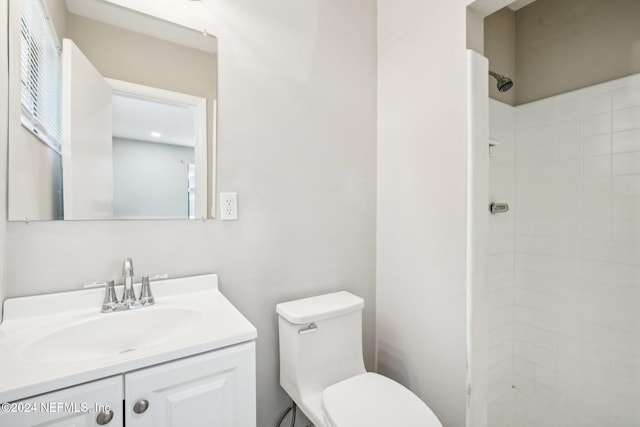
(76, 406)
(213, 389)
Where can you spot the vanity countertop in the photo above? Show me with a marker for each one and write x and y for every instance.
(48, 342)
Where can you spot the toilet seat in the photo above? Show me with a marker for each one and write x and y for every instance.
(373, 400)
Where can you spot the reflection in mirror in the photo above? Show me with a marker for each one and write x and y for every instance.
(112, 114)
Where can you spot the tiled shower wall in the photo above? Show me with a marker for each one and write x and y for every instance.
(501, 280)
(576, 316)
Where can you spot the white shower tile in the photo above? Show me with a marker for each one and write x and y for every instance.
(626, 141)
(525, 226)
(545, 376)
(503, 280)
(576, 302)
(522, 349)
(500, 298)
(546, 320)
(626, 163)
(502, 244)
(598, 187)
(626, 230)
(570, 347)
(569, 168)
(626, 97)
(545, 339)
(530, 117)
(569, 327)
(500, 316)
(598, 335)
(569, 129)
(625, 342)
(596, 104)
(626, 365)
(570, 148)
(625, 252)
(626, 408)
(545, 171)
(570, 109)
(570, 247)
(625, 297)
(523, 368)
(524, 315)
(596, 166)
(597, 125)
(569, 208)
(626, 186)
(625, 274)
(597, 207)
(626, 119)
(569, 385)
(596, 228)
(570, 267)
(536, 135)
(569, 227)
(597, 145)
(597, 250)
(547, 246)
(500, 334)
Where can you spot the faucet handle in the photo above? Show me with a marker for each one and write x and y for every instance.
(110, 302)
(146, 296)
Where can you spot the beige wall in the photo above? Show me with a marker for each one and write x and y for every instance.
(500, 50)
(134, 57)
(296, 141)
(563, 45)
(57, 10)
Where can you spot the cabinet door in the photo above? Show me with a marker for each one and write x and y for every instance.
(77, 406)
(215, 389)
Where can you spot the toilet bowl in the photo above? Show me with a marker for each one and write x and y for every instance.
(322, 368)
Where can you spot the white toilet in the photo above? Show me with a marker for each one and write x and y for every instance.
(322, 369)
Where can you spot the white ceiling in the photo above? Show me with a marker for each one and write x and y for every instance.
(136, 118)
(519, 4)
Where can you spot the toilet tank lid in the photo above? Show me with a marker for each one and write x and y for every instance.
(320, 307)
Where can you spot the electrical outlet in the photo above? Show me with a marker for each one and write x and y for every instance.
(228, 206)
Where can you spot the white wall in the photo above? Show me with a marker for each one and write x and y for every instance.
(297, 90)
(501, 248)
(4, 79)
(477, 239)
(577, 312)
(422, 200)
(150, 179)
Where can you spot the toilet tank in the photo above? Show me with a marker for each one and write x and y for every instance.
(320, 342)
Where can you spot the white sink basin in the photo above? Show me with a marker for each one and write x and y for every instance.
(112, 333)
(52, 341)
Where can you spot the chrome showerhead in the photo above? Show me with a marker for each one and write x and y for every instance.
(504, 83)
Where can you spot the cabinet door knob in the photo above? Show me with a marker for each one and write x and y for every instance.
(141, 406)
(104, 417)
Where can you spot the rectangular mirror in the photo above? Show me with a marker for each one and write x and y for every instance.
(111, 116)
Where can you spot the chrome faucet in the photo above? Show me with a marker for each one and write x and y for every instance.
(129, 300)
(128, 294)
